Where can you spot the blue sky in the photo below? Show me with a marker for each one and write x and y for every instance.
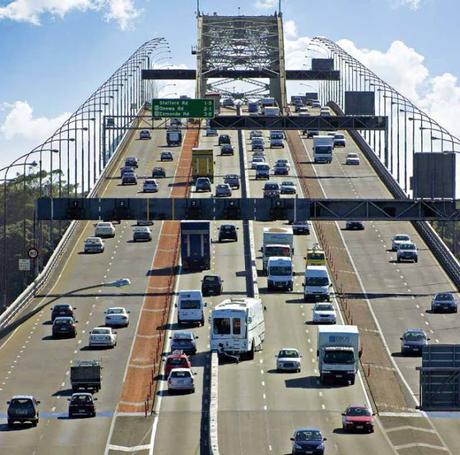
(53, 58)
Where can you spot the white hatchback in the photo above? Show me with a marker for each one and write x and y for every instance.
(181, 379)
(104, 229)
(324, 312)
(352, 159)
(288, 359)
(116, 316)
(102, 337)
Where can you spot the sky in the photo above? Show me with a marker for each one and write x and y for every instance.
(55, 53)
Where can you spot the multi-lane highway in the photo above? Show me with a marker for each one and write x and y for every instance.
(258, 407)
(34, 363)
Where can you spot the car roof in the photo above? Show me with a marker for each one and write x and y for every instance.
(23, 397)
(179, 370)
(116, 308)
(414, 330)
(307, 429)
(63, 318)
(63, 304)
(86, 394)
(183, 334)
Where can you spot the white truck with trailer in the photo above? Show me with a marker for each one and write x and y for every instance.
(238, 326)
(280, 273)
(273, 239)
(338, 351)
(322, 149)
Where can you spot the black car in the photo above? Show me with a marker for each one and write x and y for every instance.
(226, 149)
(233, 180)
(158, 172)
(224, 139)
(354, 225)
(166, 156)
(211, 285)
(62, 309)
(82, 404)
(64, 326)
(228, 232)
(129, 178)
(22, 409)
(203, 184)
(126, 170)
(131, 161)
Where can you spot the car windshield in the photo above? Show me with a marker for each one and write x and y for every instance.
(227, 228)
(280, 270)
(315, 256)
(324, 307)
(277, 135)
(317, 281)
(271, 186)
(346, 357)
(115, 311)
(82, 399)
(444, 297)
(221, 326)
(352, 155)
(104, 225)
(61, 308)
(277, 251)
(290, 353)
(182, 336)
(308, 435)
(176, 361)
(407, 246)
(358, 412)
(288, 184)
(402, 238)
(62, 321)
(190, 304)
(322, 149)
(180, 374)
(22, 404)
(101, 331)
(414, 336)
(211, 279)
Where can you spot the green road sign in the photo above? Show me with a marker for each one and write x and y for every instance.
(182, 108)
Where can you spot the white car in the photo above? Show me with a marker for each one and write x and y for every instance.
(93, 245)
(150, 186)
(116, 316)
(181, 379)
(352, 159)
(288, 187)
(102, 337)
(288, 359)
(284, 163)
(257, 160)
(398, 239)
(324, 312)
(104, 229)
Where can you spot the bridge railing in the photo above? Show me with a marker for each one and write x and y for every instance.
(69, 163)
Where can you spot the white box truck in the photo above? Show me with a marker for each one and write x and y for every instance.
(322, 149)
(275, 241)
(190, 307)
(238, 326)
(279, 273)
(338, 352)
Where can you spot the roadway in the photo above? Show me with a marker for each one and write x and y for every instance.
(34, 363)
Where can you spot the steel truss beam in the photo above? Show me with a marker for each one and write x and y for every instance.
(247, 209)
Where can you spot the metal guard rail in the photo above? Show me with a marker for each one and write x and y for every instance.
(41, 280)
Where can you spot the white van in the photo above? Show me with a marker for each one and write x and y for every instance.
(317, 284)
(279, 273)
(190, 307)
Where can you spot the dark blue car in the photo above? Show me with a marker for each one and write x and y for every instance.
(308, 440)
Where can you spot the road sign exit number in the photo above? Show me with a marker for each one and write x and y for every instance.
(182, 108)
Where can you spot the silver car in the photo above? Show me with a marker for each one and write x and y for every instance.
(94, 245)
(181, 379)
(288, 359)
(223, 190)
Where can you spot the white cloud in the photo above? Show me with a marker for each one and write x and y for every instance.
(266, 4)
(412, 4)
(121, 11)
(290, 29)
(20, 122)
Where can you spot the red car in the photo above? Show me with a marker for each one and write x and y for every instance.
(177, 359)
(358, 418)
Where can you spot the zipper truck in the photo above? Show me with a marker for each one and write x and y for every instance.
(322, 149)
(174, 137)
(190, 307)
(86, 375)
(273, 239)
(195, 244)
(202, 163)
(279, 273)
(238, 326)
(338, 353)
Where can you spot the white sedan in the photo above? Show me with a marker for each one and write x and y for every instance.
(104, 229)
(288, 359)
(116, 316)
(399, 239)
(102, 337)
(352, 159)
(324, 312)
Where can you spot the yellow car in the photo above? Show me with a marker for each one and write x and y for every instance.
(315, 256)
